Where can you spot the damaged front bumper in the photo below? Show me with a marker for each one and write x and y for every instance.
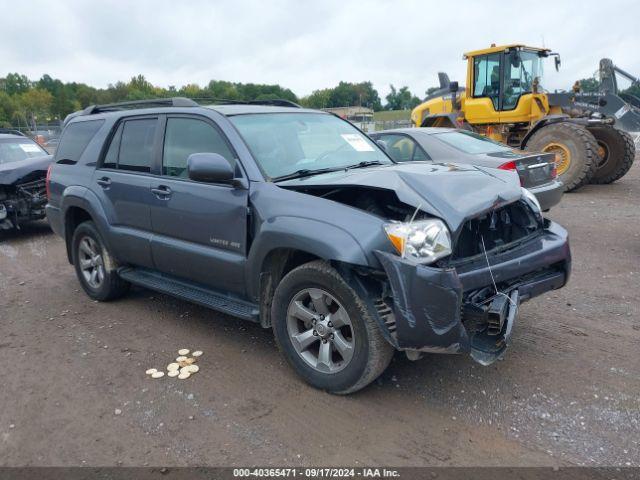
(457, 310)
(22, 203)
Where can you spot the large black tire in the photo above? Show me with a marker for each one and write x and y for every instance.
(580, 145)
(111, 286)
(371, 352)
(618, 154)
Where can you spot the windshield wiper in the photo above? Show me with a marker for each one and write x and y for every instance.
(364, 164)
(305, 172)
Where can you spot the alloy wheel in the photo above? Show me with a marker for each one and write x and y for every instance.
(320, 330)
(91, 263)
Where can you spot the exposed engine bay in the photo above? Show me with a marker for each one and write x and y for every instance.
(383, 203)
(495, 229)
(22, 203)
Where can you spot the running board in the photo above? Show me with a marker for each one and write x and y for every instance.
(192, 293)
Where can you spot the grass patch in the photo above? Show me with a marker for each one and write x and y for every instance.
(390, 115)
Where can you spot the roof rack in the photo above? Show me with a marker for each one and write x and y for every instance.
(156, 102)
(275, 102)
(12, 131)
(113, 107)
(174, 102)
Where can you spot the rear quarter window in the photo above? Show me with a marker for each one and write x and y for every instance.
(75, 139)
(472, 143)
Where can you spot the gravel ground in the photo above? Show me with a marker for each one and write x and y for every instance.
(74, 390)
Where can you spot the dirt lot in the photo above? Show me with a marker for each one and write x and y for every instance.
(568, 391)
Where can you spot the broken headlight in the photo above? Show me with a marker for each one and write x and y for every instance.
(423, 241)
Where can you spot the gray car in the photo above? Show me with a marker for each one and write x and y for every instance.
(294, 219)
(536, 171)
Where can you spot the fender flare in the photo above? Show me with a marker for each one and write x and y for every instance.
(82, 197)
(548, 120)
(314, 237)
(451, 118)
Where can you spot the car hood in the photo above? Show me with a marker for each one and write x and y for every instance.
(453, 192)
(24, 170)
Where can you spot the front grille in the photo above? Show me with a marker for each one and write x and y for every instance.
(386, 314)
(498, 228)
(35, 192)
(36, 188)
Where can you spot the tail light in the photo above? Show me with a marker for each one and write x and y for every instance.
(48, 182)
(511, 166)
(554, 171)
(508, 166)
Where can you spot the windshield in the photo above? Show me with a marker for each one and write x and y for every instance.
(522, 69)
(285, 143)
(17, 149)
(473, 143)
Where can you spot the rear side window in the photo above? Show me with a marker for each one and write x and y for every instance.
(403, 148)
(185, 136)
(131, 147)
(75, 139)
(470, 142)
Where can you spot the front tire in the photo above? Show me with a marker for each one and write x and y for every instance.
(575, 147)
(326, 332)
(95, 267)
(616, 154)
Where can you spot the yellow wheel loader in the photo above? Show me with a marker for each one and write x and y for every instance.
(504, 100)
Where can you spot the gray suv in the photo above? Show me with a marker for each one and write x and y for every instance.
(295, 219)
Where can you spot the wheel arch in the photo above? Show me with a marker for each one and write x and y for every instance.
(544, 121)
(274, 266)
(80, 205)
(440, 120)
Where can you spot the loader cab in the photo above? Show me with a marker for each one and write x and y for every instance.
(504, 83)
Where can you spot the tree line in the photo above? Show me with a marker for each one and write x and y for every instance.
(25, 102)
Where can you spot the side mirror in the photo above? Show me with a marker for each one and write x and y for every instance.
(210, 168)
(453, 87)
(557, 62)
(382, 144)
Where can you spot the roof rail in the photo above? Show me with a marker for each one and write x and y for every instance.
(12, 131)
(155, 102)
(174, 102)
(152, 103)
(276, 102)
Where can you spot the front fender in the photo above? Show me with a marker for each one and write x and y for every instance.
(315, 237)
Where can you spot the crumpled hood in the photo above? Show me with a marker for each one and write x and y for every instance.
(452, 192)
(24, 170)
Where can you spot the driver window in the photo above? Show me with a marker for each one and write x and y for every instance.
(514, 83)
(185, 136)
(520, 70)
(486, 72)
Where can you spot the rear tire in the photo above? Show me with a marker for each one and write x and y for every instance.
(577, 147)
(618, 153)
(369, 353)
(95, 267)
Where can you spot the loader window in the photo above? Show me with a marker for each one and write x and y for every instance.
(521, 67)
(486, 74)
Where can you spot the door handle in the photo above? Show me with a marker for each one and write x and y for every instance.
(162, 192)
(104, 182)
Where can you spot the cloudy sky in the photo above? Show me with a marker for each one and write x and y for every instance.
(305, 45)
